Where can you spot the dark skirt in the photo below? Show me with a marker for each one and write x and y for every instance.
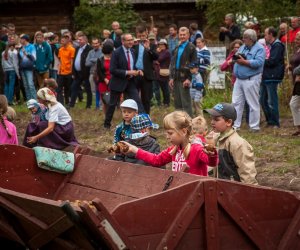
(61, 137)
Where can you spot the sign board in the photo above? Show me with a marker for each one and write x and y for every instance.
(216, 76)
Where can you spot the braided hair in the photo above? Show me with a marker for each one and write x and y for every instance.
(3, 110)
(178, 120)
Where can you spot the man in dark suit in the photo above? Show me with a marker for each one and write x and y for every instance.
(145, 55)
(122, 77)
(81, 72)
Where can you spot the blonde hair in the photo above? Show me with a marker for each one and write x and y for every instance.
(178, 120)
(11, 114)
(3, 110)
(199, 123)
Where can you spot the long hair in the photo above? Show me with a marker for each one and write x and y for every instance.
(3, 110)
(178, 120)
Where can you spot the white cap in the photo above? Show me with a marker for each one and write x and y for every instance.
(31, 103)
(129, 103)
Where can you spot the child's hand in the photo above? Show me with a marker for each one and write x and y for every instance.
(210, 149)
(128, 148)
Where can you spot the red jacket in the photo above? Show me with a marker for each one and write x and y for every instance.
(197, 160)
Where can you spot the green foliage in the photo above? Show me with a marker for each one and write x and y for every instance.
(263, 11)
(92, 19)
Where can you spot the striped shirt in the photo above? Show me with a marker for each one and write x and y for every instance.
(203, 56)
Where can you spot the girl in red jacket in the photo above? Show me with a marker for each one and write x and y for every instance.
(178, 126)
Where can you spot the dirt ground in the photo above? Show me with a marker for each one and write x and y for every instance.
(277, 152)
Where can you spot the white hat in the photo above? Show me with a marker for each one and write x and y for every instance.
(163, 41)
(129, 103)
(31, 103)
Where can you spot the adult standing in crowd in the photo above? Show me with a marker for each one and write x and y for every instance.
(27, 57)
(66, 56)
(145, 55)
(123, 72)
(162, 70)
(91, 61)
(172, 38)
(114, 36)
(229, 33)
(195, 33)
(272, 75)
(295, 24)
(294, 66)
(203, 57)
(248, 71)
(10, 65)
(43, 58)
(54, 66)
(180, 75)
(283, 30)
(81, 72)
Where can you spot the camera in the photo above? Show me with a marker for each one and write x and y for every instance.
(237, 56)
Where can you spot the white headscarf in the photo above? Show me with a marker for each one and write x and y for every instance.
(47, 95)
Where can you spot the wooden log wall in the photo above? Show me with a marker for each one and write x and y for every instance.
(182, 14)
(29, 17)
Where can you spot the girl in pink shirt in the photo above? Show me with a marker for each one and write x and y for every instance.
(8, 131)
(178, 126)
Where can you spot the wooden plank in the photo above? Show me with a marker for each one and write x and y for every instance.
(291, 238)
(244, 220)
(54, 230)
(183, 218)
(211, 215)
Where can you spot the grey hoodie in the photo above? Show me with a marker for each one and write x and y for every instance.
(12, 63)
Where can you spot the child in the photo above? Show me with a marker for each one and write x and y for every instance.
(129, 109)
(199, 130)
(8, 131)
(10, 114)
(196, 90)
(178, 126)
(51, 84)
(141, 138)
(236, 157)
(38, 111)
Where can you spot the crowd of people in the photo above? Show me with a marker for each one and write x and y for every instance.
(129, 71)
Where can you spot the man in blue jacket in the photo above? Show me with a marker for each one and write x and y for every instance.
(43, 58)
(272, 75)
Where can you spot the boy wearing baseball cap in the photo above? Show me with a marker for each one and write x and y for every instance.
(140, 137)
(236, 156)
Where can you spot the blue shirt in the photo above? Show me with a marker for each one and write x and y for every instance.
(256, 56)
(172, 43)
(78, 58)
(180, 51)
(139, 62)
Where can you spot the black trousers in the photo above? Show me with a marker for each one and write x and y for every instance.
(64, 88)
(146, 88)
(75, 90)
(130, 92)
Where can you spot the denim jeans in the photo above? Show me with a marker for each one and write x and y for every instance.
(10, 79)
(27, 77)
(269, 102)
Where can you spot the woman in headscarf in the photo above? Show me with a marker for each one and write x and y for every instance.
(58, 131)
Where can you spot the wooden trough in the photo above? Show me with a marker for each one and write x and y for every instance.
(137, 207)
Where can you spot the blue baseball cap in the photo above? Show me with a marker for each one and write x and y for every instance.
(226, 110)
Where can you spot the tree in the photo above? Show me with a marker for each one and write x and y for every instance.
(264, 11)
(93, 18)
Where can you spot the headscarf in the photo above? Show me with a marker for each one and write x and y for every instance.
(40, 114)
(47, 95)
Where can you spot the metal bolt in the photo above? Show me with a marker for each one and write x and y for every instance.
(250, 228)
(221, 193)
(199, 194)
(241, 218)
(299, 233)
(174, 235)
(211, 217)
(165, 248)
(210, 189)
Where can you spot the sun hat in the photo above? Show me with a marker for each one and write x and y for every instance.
(31, 103)
(163, 41)
(129, 103)
(142, 121)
